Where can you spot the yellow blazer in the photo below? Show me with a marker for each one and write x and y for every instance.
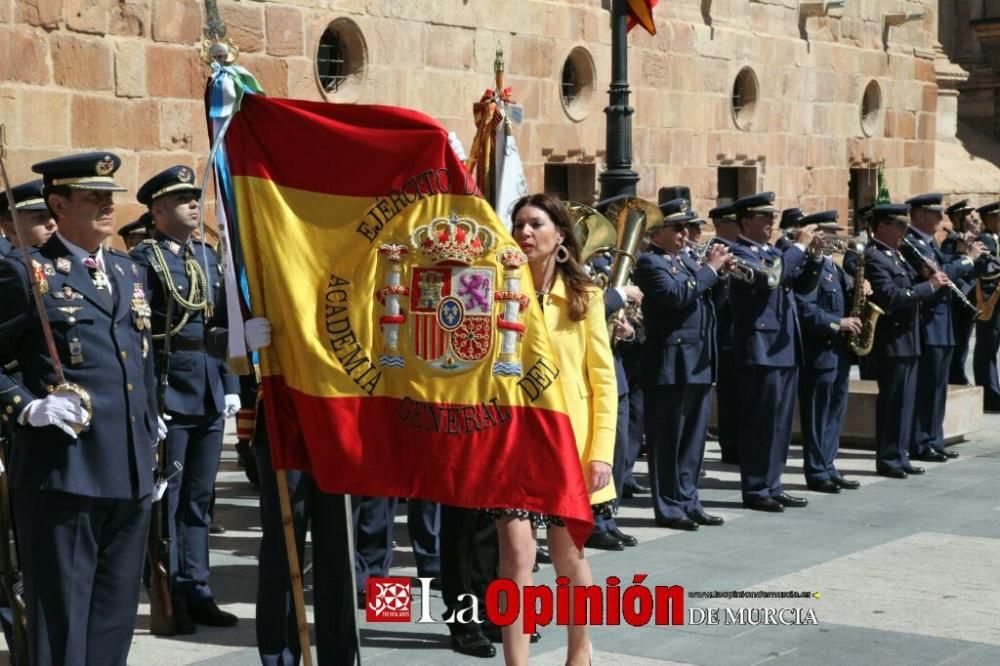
(587, 377)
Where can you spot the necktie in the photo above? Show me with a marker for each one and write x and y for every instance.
(100, 281)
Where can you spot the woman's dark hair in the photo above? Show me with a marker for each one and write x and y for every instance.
(578, 283)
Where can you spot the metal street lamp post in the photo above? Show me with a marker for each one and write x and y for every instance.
(619, 178)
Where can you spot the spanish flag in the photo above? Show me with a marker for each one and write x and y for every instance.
(409, 356)
(640, 12)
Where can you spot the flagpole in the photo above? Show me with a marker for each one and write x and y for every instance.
(619, 178)
(215, 48)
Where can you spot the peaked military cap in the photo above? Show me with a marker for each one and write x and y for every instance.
(175, 179)
(931, 201)
(603, 205)
(826, 220)
(139, 226)
(762, 203)
(676, 210)
(958, 207)
(723, 213)
(891, 212)
(791, 217)
(89, 171)
(27, 196)
(989, 209)
(695, 220)
(864, 211)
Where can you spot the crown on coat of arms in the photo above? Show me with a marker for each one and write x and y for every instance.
(453, 239)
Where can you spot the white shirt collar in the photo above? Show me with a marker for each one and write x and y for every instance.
(80, 253)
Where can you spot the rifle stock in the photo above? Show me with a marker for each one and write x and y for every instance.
(161, 607)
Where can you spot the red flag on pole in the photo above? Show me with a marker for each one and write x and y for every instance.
(640, 12)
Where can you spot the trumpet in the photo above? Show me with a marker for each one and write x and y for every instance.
(738, 268)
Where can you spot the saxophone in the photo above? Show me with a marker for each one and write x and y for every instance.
(863, 309)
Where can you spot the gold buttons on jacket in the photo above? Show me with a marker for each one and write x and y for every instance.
(123, 354)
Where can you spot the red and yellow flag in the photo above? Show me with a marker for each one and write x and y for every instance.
(407, 357)
(640, 12)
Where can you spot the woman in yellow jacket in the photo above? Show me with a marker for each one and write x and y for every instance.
(574, 315)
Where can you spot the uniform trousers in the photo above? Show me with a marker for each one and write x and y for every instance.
(727, 395)
(897, 390)
(374, 518)
(964, 322)
(470, 557)
(765, 427)
(333, 598)
(81, 559)
(984, 362)
(196, 443)
(618, 466)
(822, 408)
(932, 394)
(676, 422)
(636, 429)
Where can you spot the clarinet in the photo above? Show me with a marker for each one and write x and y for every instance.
(933, 266)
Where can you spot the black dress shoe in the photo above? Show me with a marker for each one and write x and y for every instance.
(930, 455)
(764, 504)
(824, 486)
(627, 539)
(473, 643)
(684, 523)
(892, 472)
(632, 489)
(183, 624)
(787, 500)
(947, 453)
(216, 529)
(846, 484)
(604, 541)
(209, 614)
(910, 469)
(703, 518)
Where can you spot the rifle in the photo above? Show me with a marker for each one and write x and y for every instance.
(161, 607)
(11, 575)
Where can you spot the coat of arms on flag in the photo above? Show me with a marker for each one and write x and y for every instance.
(452, 297)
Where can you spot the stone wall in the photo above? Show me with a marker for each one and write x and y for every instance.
(124, 75)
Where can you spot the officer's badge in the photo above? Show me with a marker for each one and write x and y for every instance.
(173, 246)
(63, 265)
(49, 270)
(119, 269)
(184, 175)
(135, 270)
(39, 272)
(105, 166)
(454, 297)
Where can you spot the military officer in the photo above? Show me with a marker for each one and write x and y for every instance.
(5, 245)
(984, 355)
(954, 245)
(896, 290)
(323, 514)
(727, 233)
(36, 221)
(823, 380)
(678, 365)
(937, 333)
(790, 219)
(200, 394)
(135, 232)
(768, 349)
(82, 462)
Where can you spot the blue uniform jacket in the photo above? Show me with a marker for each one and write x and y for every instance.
(820, 312)
(765, 320)
(897, 334)
(986, 267)
(107, 353)
(679, 318)
(198, 382)
(937, 327)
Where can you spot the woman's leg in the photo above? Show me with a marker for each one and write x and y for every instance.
(517, 556)
(570, 562)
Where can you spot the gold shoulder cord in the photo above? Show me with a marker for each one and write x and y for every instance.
(195, 301)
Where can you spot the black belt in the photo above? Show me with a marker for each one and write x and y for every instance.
(187, 344)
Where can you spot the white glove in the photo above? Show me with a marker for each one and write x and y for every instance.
(232, 406)
(161, 428)
(61, 409)
(257, 332)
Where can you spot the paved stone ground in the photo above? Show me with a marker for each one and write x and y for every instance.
(907, 573)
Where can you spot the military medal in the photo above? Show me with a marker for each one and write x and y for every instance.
(40, 279)
(75, 351)
(140, 307)
(63, 265)
(49, 270)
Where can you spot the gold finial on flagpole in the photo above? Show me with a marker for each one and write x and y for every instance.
(213, 48)
(498, 68)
